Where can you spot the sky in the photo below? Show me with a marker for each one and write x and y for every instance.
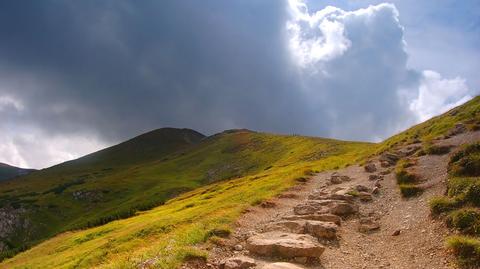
(77, 76)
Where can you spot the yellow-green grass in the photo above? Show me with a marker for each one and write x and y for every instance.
(468, 113)
(168, 233)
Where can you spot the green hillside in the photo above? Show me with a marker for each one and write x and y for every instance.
(258, 165)
(216, 178)
(106, 185)
(8, 171)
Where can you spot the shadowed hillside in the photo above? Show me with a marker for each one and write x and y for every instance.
(8, 171)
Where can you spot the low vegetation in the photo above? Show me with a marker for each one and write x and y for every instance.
(461, 207)
(406, 180)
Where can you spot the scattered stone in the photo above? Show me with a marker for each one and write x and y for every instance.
(363, 188)
(292, 226)
(389, 158)
(238, 263)
(364, 196)
(238, 247)
(343, 209)
(458, 129)
(286, 245)
(370, 167)
(320, 217)
(322, 229)
(368, 225)
(267, 204)
(281, 265)
(374, 177)
(396, 233)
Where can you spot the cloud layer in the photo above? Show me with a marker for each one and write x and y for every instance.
(77, 76)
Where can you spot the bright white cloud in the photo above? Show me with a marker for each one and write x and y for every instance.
(437, 95)
(360, 79)
(317, 37)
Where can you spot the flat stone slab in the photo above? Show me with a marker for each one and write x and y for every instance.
(286, 245)
(281, 265)
(321, 229)
(240, 262)
(321, 217)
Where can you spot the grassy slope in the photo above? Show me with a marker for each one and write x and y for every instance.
(468, 113)
(8, 171)
(259, 165)
(168, 232)
(48, 194)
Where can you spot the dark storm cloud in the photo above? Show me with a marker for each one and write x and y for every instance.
(79, 75)
(122, 67)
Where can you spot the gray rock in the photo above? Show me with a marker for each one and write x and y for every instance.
(240, 262)
(286, 245)
(370, 167)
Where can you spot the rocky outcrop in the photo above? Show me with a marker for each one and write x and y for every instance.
(286, 245)
(240, 262)
(11, 220)
(370, 167)
(281, 265)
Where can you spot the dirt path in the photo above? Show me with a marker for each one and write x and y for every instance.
(419, 244)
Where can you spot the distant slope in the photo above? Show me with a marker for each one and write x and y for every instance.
(91, 190)
(258, 166)
(8, 171)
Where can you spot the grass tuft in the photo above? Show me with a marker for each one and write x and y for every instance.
(410, 190)
(466, 220)
(466, 249)
(441, 204)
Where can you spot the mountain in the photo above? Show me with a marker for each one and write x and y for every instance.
(8, 171)
(164, 204)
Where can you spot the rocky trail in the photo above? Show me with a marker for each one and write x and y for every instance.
(349, 218)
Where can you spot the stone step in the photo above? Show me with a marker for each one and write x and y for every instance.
(321, 217)
(319, 229)
(286, 245)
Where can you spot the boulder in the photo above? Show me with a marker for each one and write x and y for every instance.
(343, 209)
(322, 229)
(292, 226)
(390, 158)
(281, 265)
(370, 167)
(240, 262)
(320, 217)
(285, 245)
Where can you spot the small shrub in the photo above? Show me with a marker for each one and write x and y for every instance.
(409, 190)
(466, 162)
(466, 220)
(222, 232)
(466, 249)
(353, 193)
(405, 177)
(441, 204)
(193, 254)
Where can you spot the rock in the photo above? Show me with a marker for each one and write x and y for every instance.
(238, 247)
(343, 209)
(281, 265)
(376, 190)
(362, 188)
(309, 208)
(334, 196)
(396, 233)
(364, 196)
(377, 184)
(374, 177)
(368, 225)
(320, 217)
(267, 204)
(385, 172)
(385, 164)
(292, 226)
(336, 178)
(457, 129)
(322, 229)
(238, 263)
(390, 158)
(286, 245)
(370, 167)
